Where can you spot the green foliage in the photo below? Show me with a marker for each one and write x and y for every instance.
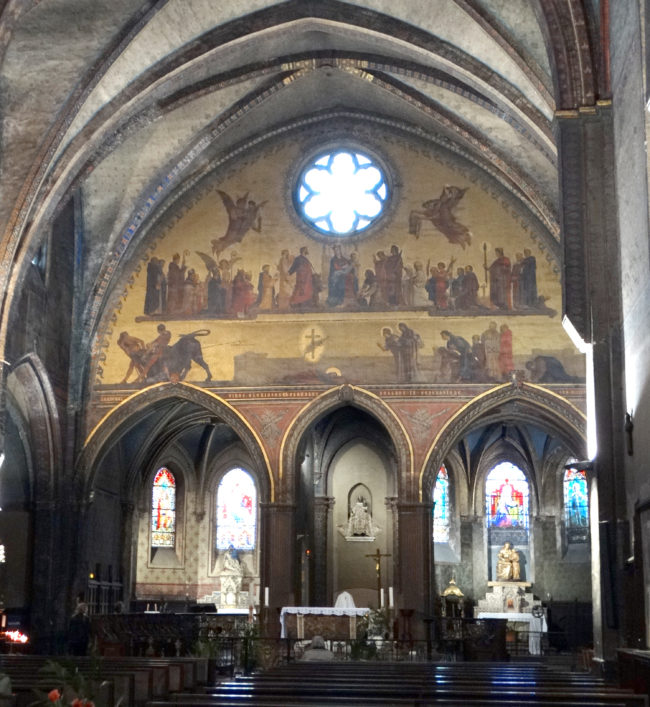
(62, 684)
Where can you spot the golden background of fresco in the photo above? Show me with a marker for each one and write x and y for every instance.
(419, 175)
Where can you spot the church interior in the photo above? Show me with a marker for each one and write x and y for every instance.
(311, 299)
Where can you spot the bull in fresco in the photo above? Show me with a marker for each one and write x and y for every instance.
(158, 361)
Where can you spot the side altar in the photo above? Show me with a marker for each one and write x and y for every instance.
(330, 622)
(524, 613)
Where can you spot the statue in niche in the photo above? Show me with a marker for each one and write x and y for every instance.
(508, 569)
(360, 520)
(231, 575)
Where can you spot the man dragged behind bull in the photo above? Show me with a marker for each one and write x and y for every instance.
(158, 361)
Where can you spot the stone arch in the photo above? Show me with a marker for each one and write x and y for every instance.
(29, 385)
(534, 403)
(577, 69)
(215, 409)
(33, 398)
(328, 402)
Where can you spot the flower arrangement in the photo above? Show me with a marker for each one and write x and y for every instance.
(72, 688)
(55, 697)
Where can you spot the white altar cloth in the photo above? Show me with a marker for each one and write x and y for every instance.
(536, 626)
(320, 611)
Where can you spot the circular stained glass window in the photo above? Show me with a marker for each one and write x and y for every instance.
(341, 192)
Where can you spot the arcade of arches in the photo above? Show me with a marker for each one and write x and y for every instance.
(276, 276)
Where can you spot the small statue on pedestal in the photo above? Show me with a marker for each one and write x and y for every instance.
(231, 575)
(508, 569)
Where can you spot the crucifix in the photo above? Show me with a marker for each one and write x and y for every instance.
(376, 556)
(315, 340)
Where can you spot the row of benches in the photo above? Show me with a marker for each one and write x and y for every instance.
(120, 680)
(472, 684)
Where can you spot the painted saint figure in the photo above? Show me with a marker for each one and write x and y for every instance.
(409, 343)
(285, 280)
(303, 291)
(461, 351)
(339, 268)
(175, 282)
(528, 280)
(393, 272)
(265, 289)
(500, 276)
(492, 341)
(155, 299)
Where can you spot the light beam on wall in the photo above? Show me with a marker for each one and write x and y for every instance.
(587, 350)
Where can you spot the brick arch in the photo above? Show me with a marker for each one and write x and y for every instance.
(345, 395)
(114, 424)
(537, 404)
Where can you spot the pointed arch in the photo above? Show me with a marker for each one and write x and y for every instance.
(30, 387)
(215, 408)
(31, 392)
(535, 403)
(345, 395)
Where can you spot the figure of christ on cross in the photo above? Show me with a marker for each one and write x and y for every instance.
(376, 556)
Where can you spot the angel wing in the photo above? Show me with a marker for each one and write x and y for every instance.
(210, 262)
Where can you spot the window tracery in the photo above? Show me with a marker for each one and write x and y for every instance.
(576, 504)
(236, 511)
(507, 497)
(163, 509)
(341, 192)
(441, 519)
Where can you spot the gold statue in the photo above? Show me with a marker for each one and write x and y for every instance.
(507, 564)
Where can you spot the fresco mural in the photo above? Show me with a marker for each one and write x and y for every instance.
(391, 280)
(238, 291)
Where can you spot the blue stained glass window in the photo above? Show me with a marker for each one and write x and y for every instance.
(341, 193)
(163, 509)
(506, 497)
(576, 499)
(236, 511)
(441, 507)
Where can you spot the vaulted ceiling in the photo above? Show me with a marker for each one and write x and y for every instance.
(126, 102)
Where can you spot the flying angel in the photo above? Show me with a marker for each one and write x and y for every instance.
(243, 215)
(441, 213)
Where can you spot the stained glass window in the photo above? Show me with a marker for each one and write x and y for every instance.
(163, 509)
(341, 193)
(506, 497)
(576, 505)
(236, 511)
(441, 507)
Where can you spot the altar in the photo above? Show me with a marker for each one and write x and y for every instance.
(330, 622)
(536, 625)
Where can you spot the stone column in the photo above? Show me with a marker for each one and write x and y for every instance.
(321, 579)
(128, 548)
(277, 561)
(415, 565)
(592, 303)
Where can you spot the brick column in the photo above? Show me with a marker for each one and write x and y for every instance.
(278, 561)
(415, 564)
(592, 303)
(321, 580)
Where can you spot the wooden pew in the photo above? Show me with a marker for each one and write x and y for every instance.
(487, 684)
(136, 680)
